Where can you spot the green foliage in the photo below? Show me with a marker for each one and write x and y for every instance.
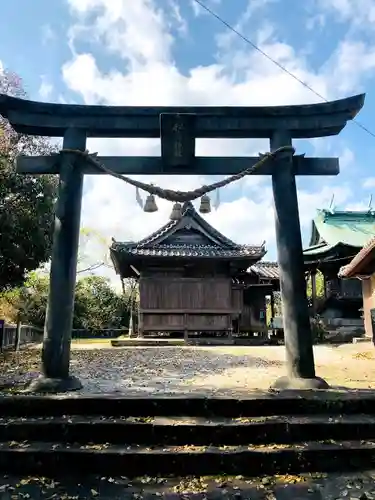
(26, 202)
(97, 304)
(29, 301)
(277, 305)
(92, 243)
(319, 280)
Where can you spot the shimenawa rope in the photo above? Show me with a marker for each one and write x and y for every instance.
(178, 196)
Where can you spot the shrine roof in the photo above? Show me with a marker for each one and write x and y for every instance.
(357, 266)
(266, 270)
(334, 229)
(189, 237)
(191, 251)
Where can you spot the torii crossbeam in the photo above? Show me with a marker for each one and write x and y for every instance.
(178, 127)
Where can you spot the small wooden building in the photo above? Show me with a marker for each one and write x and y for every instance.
(362, 267)
(186, 272)
(336, 237)
(260, 281)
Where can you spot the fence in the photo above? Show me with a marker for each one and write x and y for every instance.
(28, 334)
(107, 333)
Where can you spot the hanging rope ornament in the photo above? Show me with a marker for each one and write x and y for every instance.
(177, 197)
(150, 205)
(176, 213)
(205, 207)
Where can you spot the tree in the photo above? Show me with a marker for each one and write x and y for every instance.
(26, 202)
(319, 286)
(93, 253)
(91, 242)
(97, 305)
(28, 302)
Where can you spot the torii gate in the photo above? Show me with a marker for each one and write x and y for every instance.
(278, 123)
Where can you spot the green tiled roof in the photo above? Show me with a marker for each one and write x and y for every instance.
(317, 249)
(344, 228)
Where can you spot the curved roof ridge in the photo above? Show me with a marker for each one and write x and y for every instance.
(351, 269)
(188, 209)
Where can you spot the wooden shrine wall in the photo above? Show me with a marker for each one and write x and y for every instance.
(254, 303)
(183, 304)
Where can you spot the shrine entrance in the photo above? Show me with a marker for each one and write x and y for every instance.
(178, 128)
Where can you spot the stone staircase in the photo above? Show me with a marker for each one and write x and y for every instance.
(108, 435)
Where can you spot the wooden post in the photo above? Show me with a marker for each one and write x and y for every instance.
(186, 331)
(272, 297)
(59, 315)
(2, 334)
(17, 339)
(272, 301)
(296, 321)
(140, 324)
(130, 328)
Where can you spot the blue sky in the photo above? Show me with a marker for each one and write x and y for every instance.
(170, 52)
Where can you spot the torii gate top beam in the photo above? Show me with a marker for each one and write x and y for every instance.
(302, 121)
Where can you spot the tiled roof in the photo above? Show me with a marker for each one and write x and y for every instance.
(266, 270)
(188, 210)
(319, 249)
(355, 265)
(190, 251)
(346, 227)
(212, 243)
(331, 229)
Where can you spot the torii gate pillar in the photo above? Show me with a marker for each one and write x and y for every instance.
(178, 127)
(296, 319)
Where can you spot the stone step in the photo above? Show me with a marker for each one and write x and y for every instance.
(147, 342)
(42, 458)
(257, 404)
(188, 431)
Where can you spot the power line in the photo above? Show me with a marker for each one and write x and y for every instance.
(267, 56)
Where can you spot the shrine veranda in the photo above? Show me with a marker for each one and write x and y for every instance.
(177, 128)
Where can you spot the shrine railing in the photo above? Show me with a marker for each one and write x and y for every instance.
(28, 335)
(350, 288)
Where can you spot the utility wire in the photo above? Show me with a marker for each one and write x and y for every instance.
(267, 56)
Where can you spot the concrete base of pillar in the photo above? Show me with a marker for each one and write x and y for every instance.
(299, 383)
(54, 385)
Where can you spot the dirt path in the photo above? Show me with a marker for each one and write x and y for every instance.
(231, 371)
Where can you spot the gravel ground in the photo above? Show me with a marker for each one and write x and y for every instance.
(230, 371)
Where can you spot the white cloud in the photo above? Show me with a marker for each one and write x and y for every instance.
(360, 13)
(369, 183)
(48, 35)
(199, 11)
(135, 31)
(45, 89)
(226, 38)
(140, 34)
(357, 207)
(352, 62)
(347, 158)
